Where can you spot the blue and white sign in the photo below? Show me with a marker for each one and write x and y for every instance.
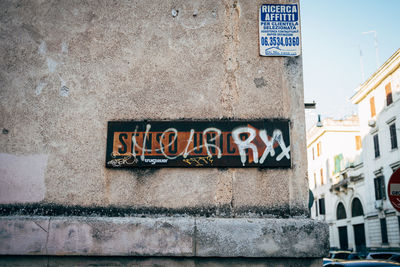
(279, 30)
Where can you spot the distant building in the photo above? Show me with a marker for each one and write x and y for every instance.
(333, 148)
(378, 101)
(351, 161)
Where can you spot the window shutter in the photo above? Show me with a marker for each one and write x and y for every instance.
(383, 190)
(319, 149)
(389, 97)
(377, 189)
(358, 142)
(372, 106)
(376, 146)
(393, 135)
(322, 176)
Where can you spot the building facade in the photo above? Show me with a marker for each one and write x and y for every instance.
(333, 147)
(72, 69)
(378, 101)
(352, 197)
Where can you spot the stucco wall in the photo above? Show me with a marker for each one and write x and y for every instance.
(69, 67)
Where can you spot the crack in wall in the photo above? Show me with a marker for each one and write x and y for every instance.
(47, 236)
(194, 245)
(40, 226)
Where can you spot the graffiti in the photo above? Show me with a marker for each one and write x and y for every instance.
(199, 143)
(199, 161)
(124, 161)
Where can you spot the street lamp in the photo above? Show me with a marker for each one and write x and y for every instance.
(319, 123)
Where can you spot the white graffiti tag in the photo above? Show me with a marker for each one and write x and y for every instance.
(276, 138)
(246, 144)
(243, 145)
(211, 141)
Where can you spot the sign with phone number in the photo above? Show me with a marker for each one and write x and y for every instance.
(279, 30)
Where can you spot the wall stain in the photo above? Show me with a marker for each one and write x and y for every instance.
(218, 211)
(260, 82)
(229, 94)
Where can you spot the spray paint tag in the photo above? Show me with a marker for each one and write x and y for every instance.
(208, 143)
(279, 30)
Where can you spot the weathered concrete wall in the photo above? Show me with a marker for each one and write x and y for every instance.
(154, 261)
(163, 236)
(69, 67)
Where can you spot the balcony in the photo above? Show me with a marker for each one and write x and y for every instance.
(351, 172)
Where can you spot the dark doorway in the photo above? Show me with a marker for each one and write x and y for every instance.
(344, 243)
(359, 237)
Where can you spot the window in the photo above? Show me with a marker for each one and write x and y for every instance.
(321, 206)
(316, 207)
(384, 231)
(313, 157)
(393, 135)
(379, 183)
(358, 142)
(341, 212)
(315, 180)
(322, 176)
(372, 106)
(389, 97)
(356, 208)
(319, 152)
(376, 146)
(338, 163)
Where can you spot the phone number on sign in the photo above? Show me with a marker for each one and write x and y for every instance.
(282, 41)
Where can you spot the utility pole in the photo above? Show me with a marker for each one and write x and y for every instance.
(376, 46)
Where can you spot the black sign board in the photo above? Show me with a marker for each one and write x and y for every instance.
(218, 143)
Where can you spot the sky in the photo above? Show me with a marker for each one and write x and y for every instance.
(332, 36)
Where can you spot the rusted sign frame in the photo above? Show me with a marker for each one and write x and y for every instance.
(198, 143)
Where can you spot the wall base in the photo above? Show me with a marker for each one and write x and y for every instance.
(163, 236)
(153, 261)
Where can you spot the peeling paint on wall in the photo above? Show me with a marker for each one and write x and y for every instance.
(260, 82)
(64, 48)
(64, 91)
(40, 87)
(51, 64)
(22, 178)
(42, 48)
